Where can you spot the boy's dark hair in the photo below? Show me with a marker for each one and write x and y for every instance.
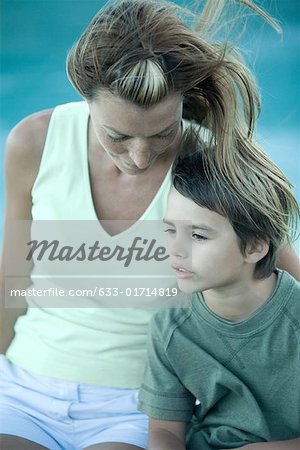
(265, 216)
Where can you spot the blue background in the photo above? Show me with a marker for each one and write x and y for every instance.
(36, 35)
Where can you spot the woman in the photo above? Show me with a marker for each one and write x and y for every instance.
(140, 70)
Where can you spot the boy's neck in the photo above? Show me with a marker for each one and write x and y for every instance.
(239, 301)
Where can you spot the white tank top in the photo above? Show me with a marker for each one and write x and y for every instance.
(104, 346)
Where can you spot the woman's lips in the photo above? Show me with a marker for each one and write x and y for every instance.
(181, 272)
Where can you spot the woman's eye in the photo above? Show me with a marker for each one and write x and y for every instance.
(123, 138)
(117, 139)
(165, 135)
(199, 237)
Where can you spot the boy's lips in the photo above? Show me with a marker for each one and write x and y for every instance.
(181, 272)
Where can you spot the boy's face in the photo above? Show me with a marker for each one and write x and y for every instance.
(204, 249)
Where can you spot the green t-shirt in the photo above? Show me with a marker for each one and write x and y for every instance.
(234, 382)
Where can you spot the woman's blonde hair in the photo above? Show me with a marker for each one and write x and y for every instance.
(260, 205)
(142, 50)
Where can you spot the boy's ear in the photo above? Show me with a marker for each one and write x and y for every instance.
(256, 250)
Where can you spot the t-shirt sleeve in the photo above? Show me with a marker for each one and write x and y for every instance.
(162, 396)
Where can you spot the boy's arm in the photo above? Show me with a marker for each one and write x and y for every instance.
(166, 435)
(292, 444)
(163, 396)
(288, 260)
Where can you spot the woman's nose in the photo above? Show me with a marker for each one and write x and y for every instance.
(140, 154)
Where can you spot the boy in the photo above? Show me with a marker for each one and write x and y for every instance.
(229, 366)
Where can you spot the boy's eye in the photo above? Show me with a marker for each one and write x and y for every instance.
(169, 231)
(199, 237)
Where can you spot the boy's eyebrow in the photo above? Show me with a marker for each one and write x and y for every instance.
(167, 222)
(202, 227)
(160, 132)
(193, 227)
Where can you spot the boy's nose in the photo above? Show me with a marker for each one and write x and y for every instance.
(178, 249)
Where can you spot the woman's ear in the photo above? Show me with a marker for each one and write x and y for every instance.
(256, 250)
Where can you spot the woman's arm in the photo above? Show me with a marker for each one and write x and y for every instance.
(288, 260)
(24, 148)
(166, 435)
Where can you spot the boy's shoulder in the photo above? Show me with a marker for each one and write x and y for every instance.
(288, 289)
(167, 320)
(288, 285)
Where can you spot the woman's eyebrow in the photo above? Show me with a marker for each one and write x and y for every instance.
(126, 135)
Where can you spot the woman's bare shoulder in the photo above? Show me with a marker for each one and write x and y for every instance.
(28, 137)
(24, 147)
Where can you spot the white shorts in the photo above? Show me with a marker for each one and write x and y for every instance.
(65, 415)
